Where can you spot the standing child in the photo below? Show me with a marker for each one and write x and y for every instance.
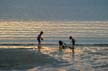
(39, 39)
(73, 43)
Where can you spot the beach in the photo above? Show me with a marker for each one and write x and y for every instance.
(27, 58)
(18, 46)
(28, 24)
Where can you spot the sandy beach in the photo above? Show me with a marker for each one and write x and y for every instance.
(28, 24)
(26, 58)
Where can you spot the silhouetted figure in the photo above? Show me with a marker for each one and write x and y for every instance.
(39, 38)
(61, 45)
(73, 43)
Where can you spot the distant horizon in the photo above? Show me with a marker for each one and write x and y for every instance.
(80, 21)
(54, 10)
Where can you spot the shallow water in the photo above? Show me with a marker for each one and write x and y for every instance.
(25, 32)
(86, 58)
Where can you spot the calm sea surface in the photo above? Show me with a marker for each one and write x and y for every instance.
(25, 32)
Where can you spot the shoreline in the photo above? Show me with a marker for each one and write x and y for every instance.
(52, 44)
(25, 58)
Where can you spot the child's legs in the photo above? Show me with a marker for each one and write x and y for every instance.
(39, 45)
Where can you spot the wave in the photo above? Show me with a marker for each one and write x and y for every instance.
(52, 44)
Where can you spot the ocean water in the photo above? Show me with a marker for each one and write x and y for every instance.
(86, 58)
(25, 32)
(84, 10)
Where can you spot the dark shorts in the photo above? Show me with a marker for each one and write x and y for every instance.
(39, 41)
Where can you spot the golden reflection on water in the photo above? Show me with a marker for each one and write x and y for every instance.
(52, 51)
(69, 57)
(25, 32)
(74, 60)
(30, 28)
(65, 55)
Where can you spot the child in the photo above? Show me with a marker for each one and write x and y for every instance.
(39, 38)
(73, 43)
(62, 45)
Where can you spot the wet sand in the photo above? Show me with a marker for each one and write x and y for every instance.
(26, 58)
